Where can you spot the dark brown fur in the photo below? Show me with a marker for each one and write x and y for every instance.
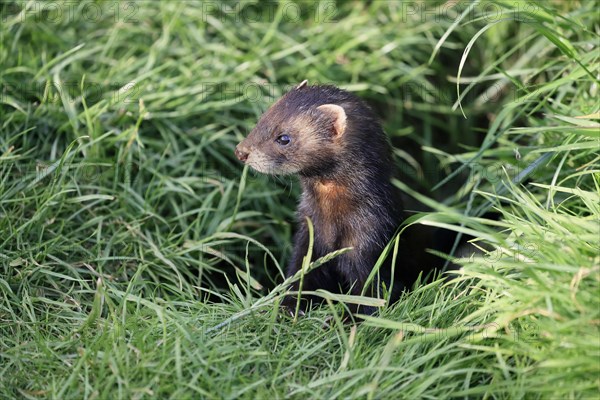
(346, 187)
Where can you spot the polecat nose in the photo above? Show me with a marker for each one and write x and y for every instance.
(242, 155)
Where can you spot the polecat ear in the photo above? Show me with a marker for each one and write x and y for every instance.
(337, 115)
(301, 84)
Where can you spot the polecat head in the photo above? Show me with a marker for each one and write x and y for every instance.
(302, 133)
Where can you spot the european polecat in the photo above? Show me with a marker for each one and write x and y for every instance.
(335, 143)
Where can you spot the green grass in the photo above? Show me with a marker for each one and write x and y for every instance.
(139, 260)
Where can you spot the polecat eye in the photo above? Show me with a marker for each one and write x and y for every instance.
(283, 140)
